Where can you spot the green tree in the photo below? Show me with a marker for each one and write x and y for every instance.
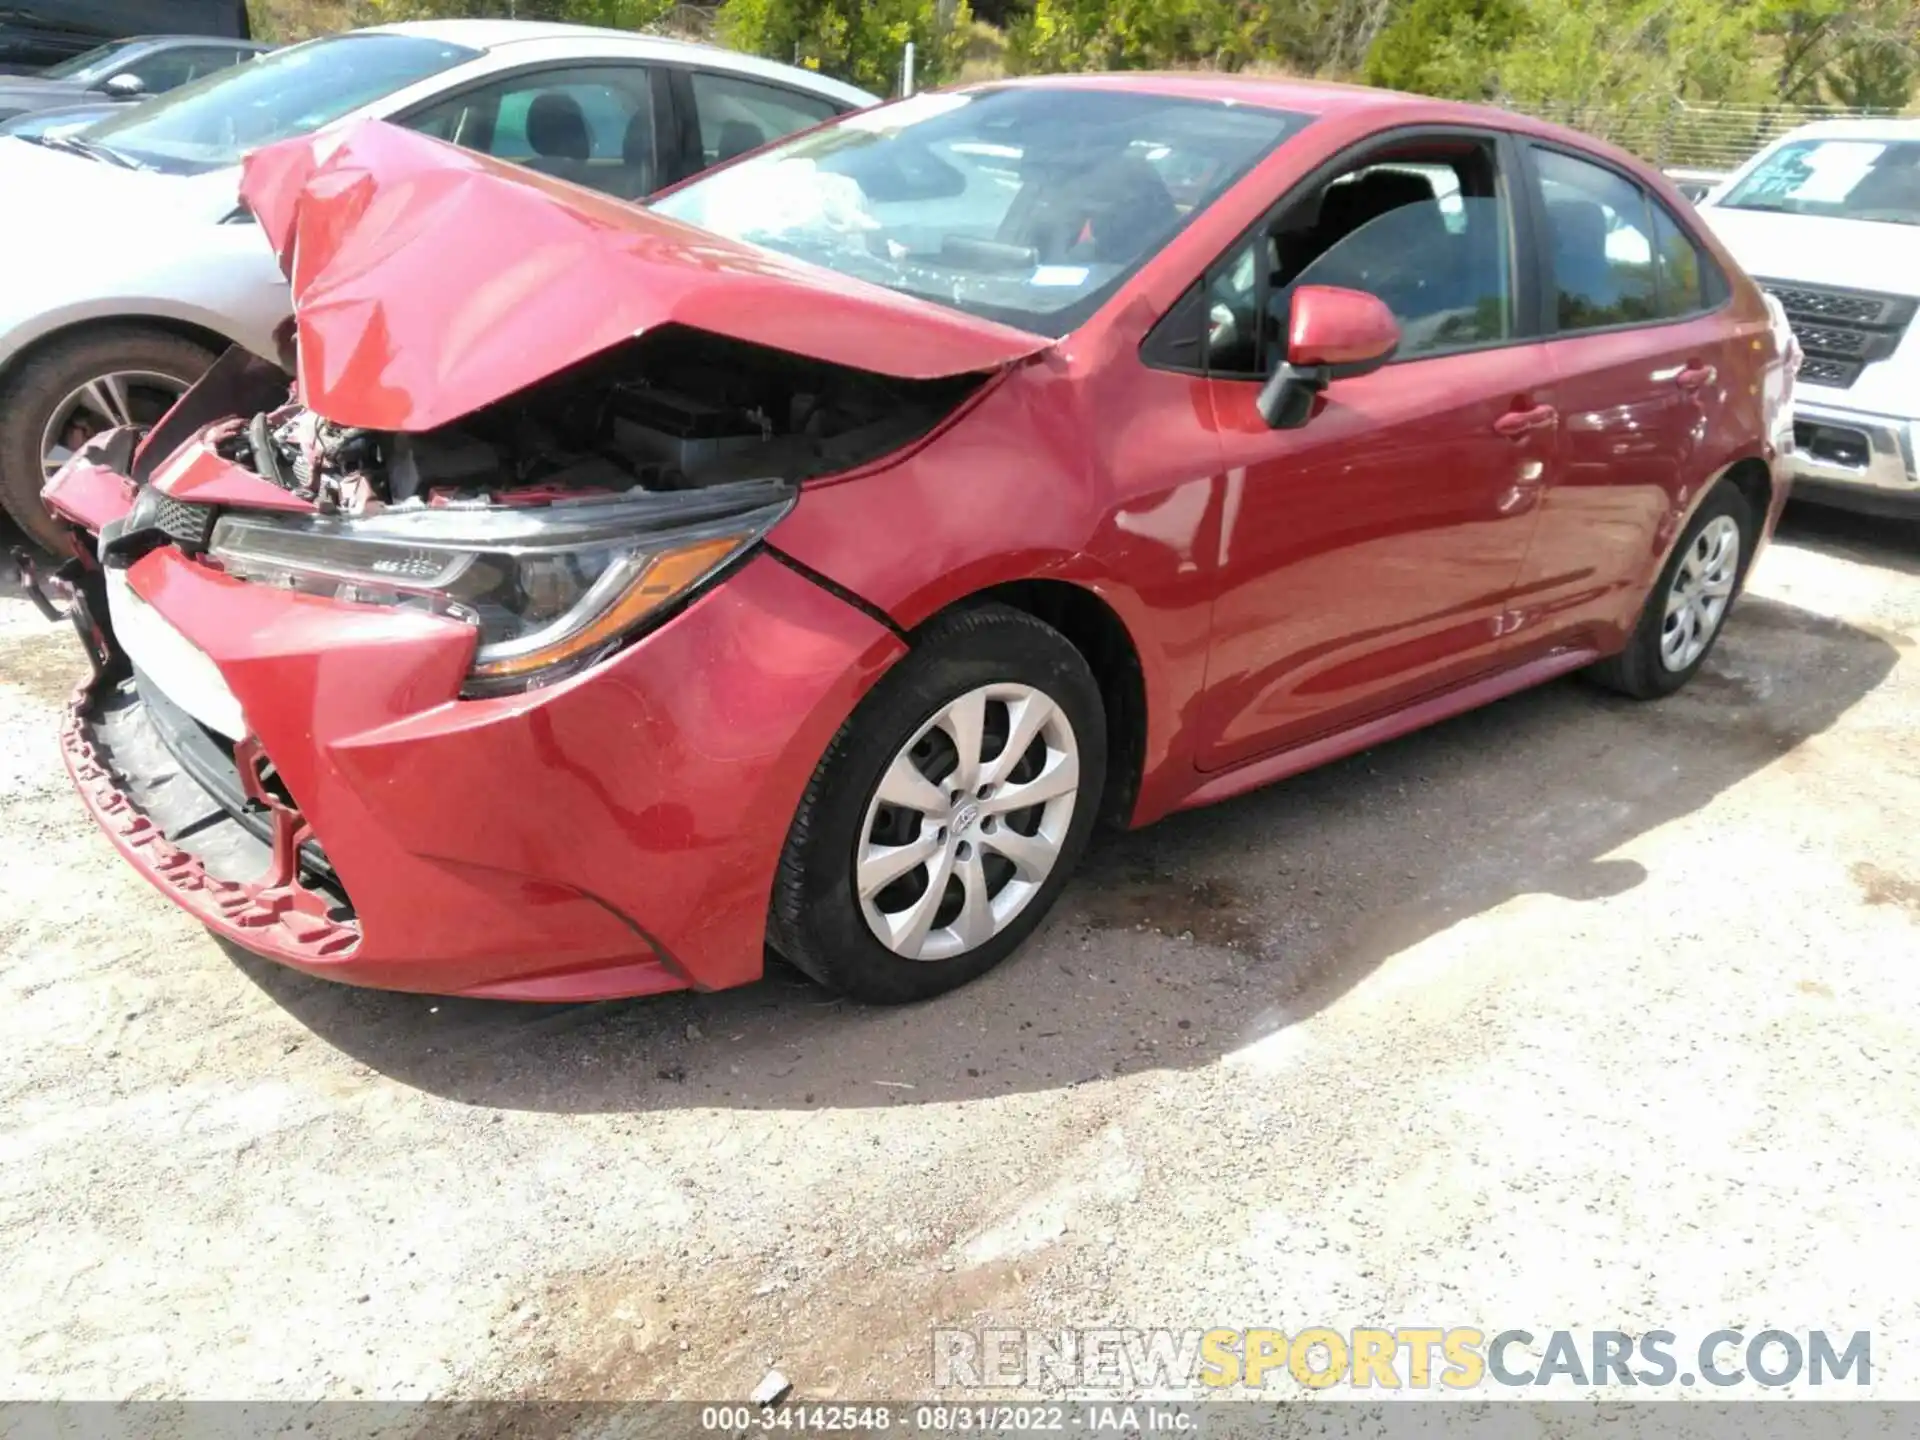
(1850, 52)
(1874, 75)
(1117, 34)
(857, 40)
(1447, 47)
(1304, 36)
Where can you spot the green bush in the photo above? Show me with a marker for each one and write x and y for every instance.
(856, 40)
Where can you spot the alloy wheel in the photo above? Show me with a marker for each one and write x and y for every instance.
(967, 822)
(1701, 591)
(106, 402)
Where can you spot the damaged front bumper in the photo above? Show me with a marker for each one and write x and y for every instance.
(614, 834)
(267, 892)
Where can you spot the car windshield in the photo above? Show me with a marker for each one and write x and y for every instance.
(90, 65)
(1026, 205)
(212, 122)
(1842, 179)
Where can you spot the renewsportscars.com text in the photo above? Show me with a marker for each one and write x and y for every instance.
(1224, 1361)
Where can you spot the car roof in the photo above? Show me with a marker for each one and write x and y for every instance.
(540, 40)
(493, 34)
(488, 34)
(1308, 97)
(1324, 98)
(1304, 97)
(222, 41)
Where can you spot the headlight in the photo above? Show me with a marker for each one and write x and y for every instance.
(551, 588)
(1784, 339)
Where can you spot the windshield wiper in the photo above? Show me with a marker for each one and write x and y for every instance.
(91, 149)
(1770, 207)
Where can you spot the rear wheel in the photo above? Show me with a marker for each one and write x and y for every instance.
(1684, 614)
(64, 395)
(946, 816)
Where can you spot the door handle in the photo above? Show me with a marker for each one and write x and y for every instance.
(1695, 376)
(1516, 423)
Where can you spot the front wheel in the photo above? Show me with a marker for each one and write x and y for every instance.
(945, 818)
(62, 396)
(1689, 603)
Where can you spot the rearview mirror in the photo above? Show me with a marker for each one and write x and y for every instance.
(125, 87)
(1332, 334)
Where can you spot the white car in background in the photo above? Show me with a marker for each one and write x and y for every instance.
(1827, 219)
(127, 263)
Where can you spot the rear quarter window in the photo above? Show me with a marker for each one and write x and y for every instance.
(736, 115)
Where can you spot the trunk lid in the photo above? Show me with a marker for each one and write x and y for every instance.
(429, 281)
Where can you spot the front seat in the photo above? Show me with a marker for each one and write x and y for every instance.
(1358, 202)
(557, 132)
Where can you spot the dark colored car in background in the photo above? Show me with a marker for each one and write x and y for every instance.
(121, 72)
(37, 33)
(812, 557)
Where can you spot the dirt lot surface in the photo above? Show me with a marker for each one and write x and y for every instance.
(1570, 1013)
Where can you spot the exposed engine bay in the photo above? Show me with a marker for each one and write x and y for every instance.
(677, 409)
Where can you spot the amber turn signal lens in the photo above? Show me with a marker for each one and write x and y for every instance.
(667, 574)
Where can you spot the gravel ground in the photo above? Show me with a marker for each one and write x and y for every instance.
(1570, 1013)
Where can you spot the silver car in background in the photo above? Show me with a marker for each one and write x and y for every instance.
(127, 263)
(123, 72)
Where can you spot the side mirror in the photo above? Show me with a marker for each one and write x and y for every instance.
(125, 87)
(1332, 334)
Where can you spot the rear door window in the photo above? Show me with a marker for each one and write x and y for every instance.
(591, 125)
(1600, 244)
(736, 115)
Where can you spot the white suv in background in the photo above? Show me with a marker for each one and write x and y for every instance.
(127, 264)
(1827, 219)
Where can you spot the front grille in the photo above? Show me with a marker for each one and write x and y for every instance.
(1830, 340)
(1857, 306)
(186, 524)
(1835, 374)
(1841, 332)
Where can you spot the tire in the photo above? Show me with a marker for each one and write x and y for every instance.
(40, 385)
(1644, 670)
(819, 921)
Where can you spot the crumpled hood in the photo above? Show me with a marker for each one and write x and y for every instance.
(429, 282)
(1819, 250)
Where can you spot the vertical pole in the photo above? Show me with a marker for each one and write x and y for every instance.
(906, 70)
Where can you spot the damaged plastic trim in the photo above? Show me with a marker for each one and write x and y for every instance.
(275, 915)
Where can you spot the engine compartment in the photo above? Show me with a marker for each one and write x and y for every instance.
(676, 409)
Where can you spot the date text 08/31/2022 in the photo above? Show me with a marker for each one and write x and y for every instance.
(1092, 1418)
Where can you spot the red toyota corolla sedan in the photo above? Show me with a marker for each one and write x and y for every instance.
(813, 559)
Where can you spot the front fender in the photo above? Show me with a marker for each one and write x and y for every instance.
(226, 284)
